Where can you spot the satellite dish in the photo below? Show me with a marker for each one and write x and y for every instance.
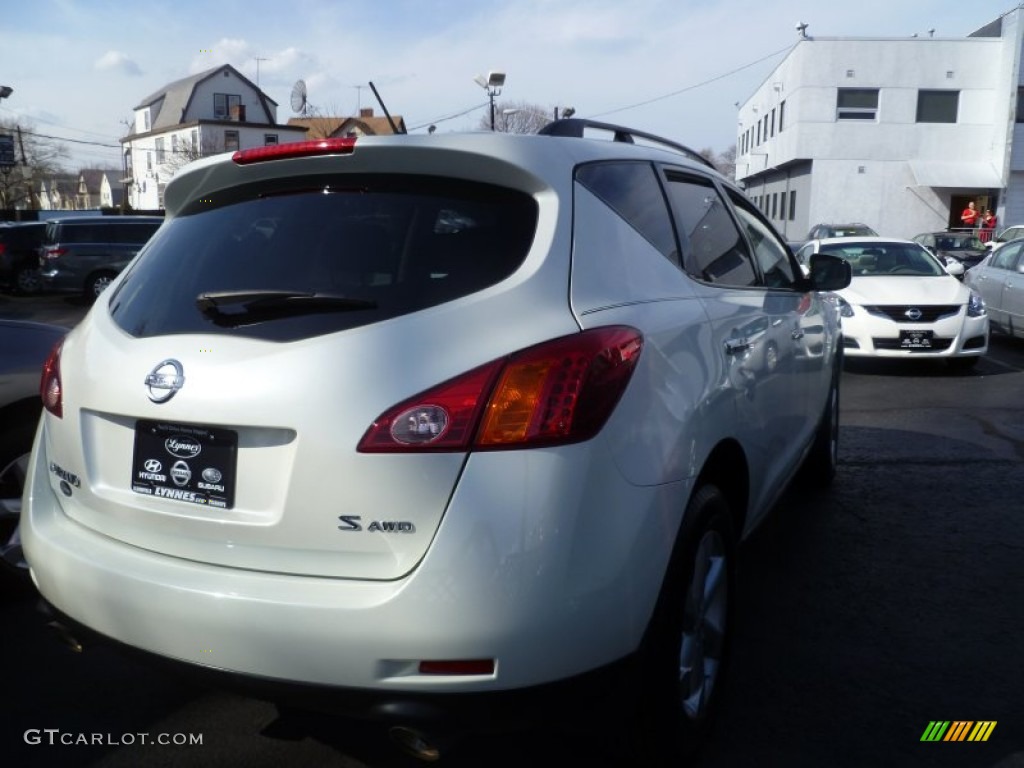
(299, 97)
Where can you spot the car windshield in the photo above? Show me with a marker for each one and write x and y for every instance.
(881, 259)
(959, 243)
(852, 230)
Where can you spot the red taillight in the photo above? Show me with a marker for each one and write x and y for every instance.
(50, 389)
(561, 391)
(52, 252)
(336, 146)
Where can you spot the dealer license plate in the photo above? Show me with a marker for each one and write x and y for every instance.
(185, 462)
(915, 339)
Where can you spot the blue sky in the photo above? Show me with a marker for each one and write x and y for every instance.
(78, 67)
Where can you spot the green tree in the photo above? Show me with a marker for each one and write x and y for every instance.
(36, 158)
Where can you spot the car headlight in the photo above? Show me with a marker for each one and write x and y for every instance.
(845, 310)
(975, 305)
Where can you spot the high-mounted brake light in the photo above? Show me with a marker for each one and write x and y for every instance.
(50, 389)
(336, 146)
(561, 391)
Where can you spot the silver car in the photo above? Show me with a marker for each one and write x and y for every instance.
(439, 429)
(1000, 281)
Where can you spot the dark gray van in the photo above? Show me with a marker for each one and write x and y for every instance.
(82, 255)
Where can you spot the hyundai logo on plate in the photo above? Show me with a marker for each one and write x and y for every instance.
(165, 380)
(152, 465)
(913, 314)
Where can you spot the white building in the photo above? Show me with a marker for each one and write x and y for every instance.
(218, 110)
(898, 134)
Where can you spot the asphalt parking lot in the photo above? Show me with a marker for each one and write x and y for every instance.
(865, 613)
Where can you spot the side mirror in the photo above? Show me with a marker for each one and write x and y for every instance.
(829, 273)
(954, 267)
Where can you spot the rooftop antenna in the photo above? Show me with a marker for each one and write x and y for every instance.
(802, 29)
(931, 32)
(258, 60)
(359, 97)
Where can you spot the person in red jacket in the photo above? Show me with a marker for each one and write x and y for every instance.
(970, 215)
(988, 220)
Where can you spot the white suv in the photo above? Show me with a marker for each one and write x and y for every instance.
(424, 425)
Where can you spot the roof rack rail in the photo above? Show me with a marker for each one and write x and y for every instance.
(575, 126)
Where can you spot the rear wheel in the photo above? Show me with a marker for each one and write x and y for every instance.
(97, 284)
(687, 645)
(15, 448)
(27, 281)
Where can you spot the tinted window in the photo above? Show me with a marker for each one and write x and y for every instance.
(713, 250)
(1006, 257)
(771, 254)
(633, 192)
(391, 244)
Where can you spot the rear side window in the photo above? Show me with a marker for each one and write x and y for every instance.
(632, 191)
(771, 254)
(713, 249)
(375, 246)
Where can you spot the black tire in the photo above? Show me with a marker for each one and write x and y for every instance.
(97, 284)
(686, 649)
(27, 282)
(821, 463)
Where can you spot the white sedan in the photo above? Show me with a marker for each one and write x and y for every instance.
(902, 303)
(1000, 281)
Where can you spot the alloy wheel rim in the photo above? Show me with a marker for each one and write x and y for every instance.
(704, 620)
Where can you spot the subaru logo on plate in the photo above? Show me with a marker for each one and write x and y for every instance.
(180, 473)
(182, 447)
(913, 314)
(152, 465)
(164, 380)
(211, 475)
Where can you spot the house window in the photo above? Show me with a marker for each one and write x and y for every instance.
(758, 133)
(149, 160)
(773, 122)
(1020, 105)
(782, 112)
(775, 205)
(145, 119)
(782, 207)
(161, 156)
(857, 104)
(194, 149)
(937, 106)
(222, 104)
(230, 141)
(269, 139)
(792, 204)
(174, 144)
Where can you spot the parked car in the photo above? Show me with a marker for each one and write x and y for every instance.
(821, 231)
(25, 346)
(1005, 236)
(19, 256)
(435, 429)
(84, 254)
(1000, 281)
(902, 303)
(964, 248)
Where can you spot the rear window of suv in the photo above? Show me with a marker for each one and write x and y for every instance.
(297, 258)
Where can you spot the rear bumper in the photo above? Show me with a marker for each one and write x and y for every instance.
(486, 711)
(539, 603)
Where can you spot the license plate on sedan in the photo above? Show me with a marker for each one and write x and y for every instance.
(184, 462)
(916, 339)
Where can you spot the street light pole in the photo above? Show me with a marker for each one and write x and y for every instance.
(492, 83)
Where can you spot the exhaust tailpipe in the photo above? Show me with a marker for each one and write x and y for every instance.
(415, 743)
(65, 636)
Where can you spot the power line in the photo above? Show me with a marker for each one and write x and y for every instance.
(692, 87)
